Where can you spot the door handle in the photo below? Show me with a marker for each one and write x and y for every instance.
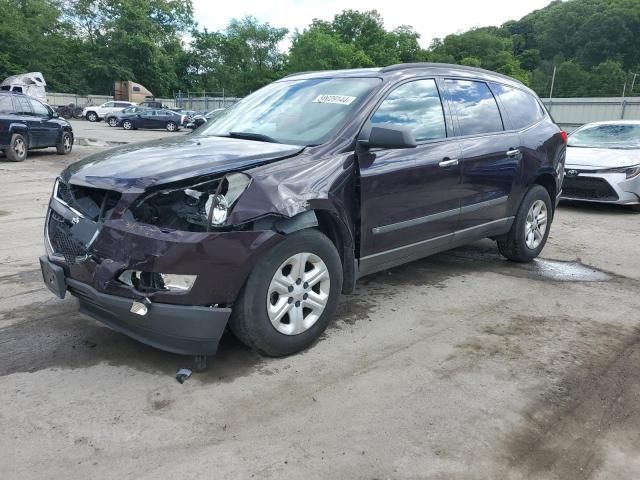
(513, 152)
(448, 163)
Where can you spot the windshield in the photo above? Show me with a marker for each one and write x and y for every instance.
(297, 112)
(607, 136)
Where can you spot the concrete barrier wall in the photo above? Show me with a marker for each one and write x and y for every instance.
(570, 113)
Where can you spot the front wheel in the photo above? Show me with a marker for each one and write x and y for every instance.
(290, 297)
(530, 229)
(172, 126)
(66, 144)
(112, 122)
(127, 125)
(92, 116)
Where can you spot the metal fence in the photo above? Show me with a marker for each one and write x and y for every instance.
(570, 113)
(204, 104)
(59, 99)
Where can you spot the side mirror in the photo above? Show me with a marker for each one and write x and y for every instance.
(387, 136)
(55, 115)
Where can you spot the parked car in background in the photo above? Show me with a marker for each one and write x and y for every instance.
(112, 119)
(603, 163)
(167, 119)
(263, 217)
(153, 104)
(95, 113)
(199, 120)
(28, 124)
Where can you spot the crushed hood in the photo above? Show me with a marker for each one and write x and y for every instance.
(578, 157)
(136, 167)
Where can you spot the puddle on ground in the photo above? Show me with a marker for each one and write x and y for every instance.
(566, 271)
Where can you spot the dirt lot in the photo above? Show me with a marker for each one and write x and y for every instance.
(459, 366)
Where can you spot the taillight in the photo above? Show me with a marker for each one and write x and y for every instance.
(564, 136)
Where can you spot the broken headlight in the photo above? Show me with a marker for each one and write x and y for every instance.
(196, 208)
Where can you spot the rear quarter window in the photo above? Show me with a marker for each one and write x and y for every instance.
(523, 109)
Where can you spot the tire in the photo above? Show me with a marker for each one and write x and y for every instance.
(172, 127)
(92, 116)
(250, 320)
(66, 144)
(521, 244)
(127, 125)
(112, 122)
(77, 113)
(17, 151)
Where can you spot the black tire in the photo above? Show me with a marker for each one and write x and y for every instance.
(77, 113)
(17, 151)
(513, 245)
(112, 122)
(250, 322)
(171, 127)
(92, 116)
(127, 125)
(66, 144)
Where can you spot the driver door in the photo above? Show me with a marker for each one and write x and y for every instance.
(409, 196)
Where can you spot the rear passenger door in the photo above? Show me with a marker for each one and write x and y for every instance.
(490, 157)
(24, 110)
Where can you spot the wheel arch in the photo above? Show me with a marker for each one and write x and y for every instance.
(548, 181)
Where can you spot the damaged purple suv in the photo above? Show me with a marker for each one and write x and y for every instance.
(261, 218)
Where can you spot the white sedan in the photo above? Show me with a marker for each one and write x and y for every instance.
(603, 163)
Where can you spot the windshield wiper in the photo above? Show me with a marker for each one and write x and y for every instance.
(253, 136)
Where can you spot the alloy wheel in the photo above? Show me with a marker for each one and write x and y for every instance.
(536, 224)
(67, 143)
(298, 293)
(19, 147)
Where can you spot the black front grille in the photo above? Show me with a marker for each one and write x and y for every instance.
(588, 188)
(94, 203)
(61, 240)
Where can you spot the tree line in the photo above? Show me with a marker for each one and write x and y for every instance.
(83, 46)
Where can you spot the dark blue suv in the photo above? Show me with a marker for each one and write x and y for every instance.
(27, 124)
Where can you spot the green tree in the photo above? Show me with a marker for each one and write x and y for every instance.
(242, 58)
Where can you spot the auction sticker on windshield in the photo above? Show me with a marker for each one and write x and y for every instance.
(337, 99)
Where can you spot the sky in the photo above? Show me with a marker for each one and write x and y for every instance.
(431, 19)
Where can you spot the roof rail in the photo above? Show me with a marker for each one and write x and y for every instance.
(404, 66)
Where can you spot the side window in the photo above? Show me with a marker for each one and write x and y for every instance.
(136, 89)
(6, 105)
(39, 109)
(108, 105)
(475, 107)
(415, 105)
(23, 106)
(522, 108)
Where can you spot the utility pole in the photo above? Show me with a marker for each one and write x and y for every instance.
(553, 81)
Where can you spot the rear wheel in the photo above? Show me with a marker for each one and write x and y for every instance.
(172, 126)
(530, 229)
(66, 144)
(127, 125)
(290, 297)
(17, 150)
(92, 116)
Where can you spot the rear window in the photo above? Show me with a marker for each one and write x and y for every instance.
(475, 107)
(6, 105)
(522, 108)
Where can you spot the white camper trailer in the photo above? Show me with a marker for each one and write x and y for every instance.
(31, 84)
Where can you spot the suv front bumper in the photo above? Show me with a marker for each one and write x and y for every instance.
(182, 329)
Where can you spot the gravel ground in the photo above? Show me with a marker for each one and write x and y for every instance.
(462, 365)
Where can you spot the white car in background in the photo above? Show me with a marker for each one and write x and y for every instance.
(95, 113)
(603, 163)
